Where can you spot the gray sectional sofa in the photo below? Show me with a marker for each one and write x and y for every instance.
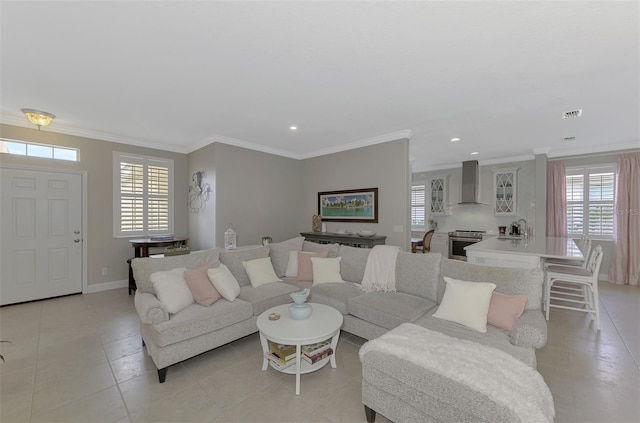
(170, 339)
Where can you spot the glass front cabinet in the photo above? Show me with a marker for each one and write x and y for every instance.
(504, 193)
(437, 195)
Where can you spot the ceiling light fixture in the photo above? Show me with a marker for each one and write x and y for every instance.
(456, 139)
(293, 128)
(475, 153)
(38, 117)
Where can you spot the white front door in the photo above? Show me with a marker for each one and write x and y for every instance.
(41, 234)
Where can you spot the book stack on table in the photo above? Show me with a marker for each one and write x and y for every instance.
(313, 353)
(281, 356)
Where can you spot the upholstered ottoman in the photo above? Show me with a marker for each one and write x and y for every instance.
(413, 374)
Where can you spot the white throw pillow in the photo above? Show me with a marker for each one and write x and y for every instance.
(466, 303)
(292, 265)
(224, 282)
(172, 289)
(326, 270)
(260, 271)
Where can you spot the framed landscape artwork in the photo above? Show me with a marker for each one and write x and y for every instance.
(354, 205)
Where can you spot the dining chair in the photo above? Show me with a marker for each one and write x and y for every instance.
(426, 241)
(576, 286)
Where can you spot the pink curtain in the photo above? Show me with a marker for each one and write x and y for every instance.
(557, 200)
(625, 258)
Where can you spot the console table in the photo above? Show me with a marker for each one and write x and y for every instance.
(141, 249)
(352, 240)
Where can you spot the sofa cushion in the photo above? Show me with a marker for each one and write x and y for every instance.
(298, 284)
(260, 271)
(335, 294)
(143, 267)
(264, 297)
(197, 320)
(508, 281)
(203, 291)
(224, 282)
(318, 248)
(388, 309)
(279, 253)
(305, 269)
(418, 274)
(466, 303)
(493, 337)
(354, 261)
(326, 270)
(172, 289)
(233, 260)
(504, 310)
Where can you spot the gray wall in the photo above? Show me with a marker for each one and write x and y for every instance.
(385, 166)
(96, 158)
(258, 192)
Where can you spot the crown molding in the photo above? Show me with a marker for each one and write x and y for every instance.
(244, 144)
(593, 150)
(101, 136)
(322, 152)
(392, 136)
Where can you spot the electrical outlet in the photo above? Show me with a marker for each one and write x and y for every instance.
(105, 271)
(398, 228)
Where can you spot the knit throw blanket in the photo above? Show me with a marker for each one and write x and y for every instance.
(498, 375)
(380, 270)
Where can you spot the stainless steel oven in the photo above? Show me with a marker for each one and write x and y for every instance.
(460, 239)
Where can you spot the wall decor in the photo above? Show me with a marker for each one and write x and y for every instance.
(353, 205)
(198, 192)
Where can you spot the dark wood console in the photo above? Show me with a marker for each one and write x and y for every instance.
(352, 240)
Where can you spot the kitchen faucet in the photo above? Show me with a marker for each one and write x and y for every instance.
(522, 228)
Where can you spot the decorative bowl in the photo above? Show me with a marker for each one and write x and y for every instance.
(366, 233)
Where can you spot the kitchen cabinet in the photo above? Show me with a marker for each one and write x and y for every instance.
(440, 243)
(505, 187)
(438, 194)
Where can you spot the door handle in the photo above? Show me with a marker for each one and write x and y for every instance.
(76, 240)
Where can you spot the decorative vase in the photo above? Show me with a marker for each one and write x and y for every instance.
(316, 223)
(299, 310)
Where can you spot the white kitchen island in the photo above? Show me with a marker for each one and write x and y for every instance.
(521, 253)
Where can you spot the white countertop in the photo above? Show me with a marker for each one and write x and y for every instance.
(541, 246)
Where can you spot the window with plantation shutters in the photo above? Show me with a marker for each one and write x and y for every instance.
(142, 195)
(417, 205)
(590, 201)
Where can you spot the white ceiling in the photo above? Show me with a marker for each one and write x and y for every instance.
(179, 75)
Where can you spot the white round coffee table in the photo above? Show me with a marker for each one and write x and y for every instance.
(324, 323)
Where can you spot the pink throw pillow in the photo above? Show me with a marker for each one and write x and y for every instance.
(200, 286)
(305, 269)
(504, 310)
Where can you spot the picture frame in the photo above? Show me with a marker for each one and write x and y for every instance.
(353, 205)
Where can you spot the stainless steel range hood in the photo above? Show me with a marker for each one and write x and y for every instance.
(470, 182)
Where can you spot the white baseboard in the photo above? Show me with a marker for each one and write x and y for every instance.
(105, 286)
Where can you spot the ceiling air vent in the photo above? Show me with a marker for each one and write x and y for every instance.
(572, 114)
(568, 139)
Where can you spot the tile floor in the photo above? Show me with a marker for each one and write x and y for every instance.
(79, 359)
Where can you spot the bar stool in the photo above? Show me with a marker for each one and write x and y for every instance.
(575, 285)
(584, 245)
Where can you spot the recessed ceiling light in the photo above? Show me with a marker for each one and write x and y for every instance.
(293, 128)
(475, 153)
(456, 139)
